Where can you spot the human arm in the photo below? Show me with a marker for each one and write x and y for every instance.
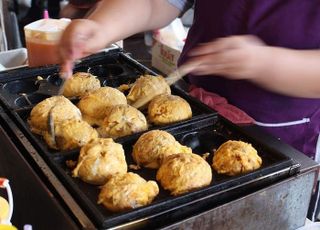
(285, 71)
(77, 8)
(113, 20)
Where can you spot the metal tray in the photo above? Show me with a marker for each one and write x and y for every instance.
(18, 88)
(202, 136)
(19, 91)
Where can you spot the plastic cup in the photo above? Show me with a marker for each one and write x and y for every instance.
(42, 38)
(4, 209)
(4, 183)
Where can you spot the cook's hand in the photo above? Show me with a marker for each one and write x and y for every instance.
(81, 38)
(235, 57)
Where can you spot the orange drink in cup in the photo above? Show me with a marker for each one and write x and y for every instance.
(42, 38)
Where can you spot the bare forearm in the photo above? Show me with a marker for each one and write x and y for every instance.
(122, 18)
(245, 57)
(290, 72)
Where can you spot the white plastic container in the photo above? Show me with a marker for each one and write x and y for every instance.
(12, 59)
(42, 38)
(309, 225)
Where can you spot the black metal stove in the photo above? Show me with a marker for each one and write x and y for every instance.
(205, 131)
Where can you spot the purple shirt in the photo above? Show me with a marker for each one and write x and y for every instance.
(293, 24)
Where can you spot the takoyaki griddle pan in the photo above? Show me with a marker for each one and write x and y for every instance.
(203, 136)
(20, 92)
(204, 133)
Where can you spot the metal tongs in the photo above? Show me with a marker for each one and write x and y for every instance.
(51, 128)
(49, 89)
(62, 85)
(170, 79)
(64, 79)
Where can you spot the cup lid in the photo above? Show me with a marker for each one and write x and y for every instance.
(48, 25)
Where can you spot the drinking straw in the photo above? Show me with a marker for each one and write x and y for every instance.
(45, 9)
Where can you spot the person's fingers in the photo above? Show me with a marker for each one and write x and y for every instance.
(207, 69)
(225, 70)
(81, 38)
(218, 45)
(254, 40)
(73, 45)
(79, 45)
(204, 48)
(94, 42)
(72, 40)
(233, 57)
(66, 70)
(217, 63)
(224, 44)
(206, 59)
(231, 69)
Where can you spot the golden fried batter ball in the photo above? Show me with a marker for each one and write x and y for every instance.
(127, 191)
(99, 159)
(80, 84)
(236, 157)
(153, 146)
(148, 85)
(165, 109)
(122, 120)
(62, 109)
(70, 134)
(93, 105)
(181, 173)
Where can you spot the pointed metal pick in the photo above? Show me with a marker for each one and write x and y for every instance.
(51, 129)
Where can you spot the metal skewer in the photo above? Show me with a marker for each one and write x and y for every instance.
(170, 79)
